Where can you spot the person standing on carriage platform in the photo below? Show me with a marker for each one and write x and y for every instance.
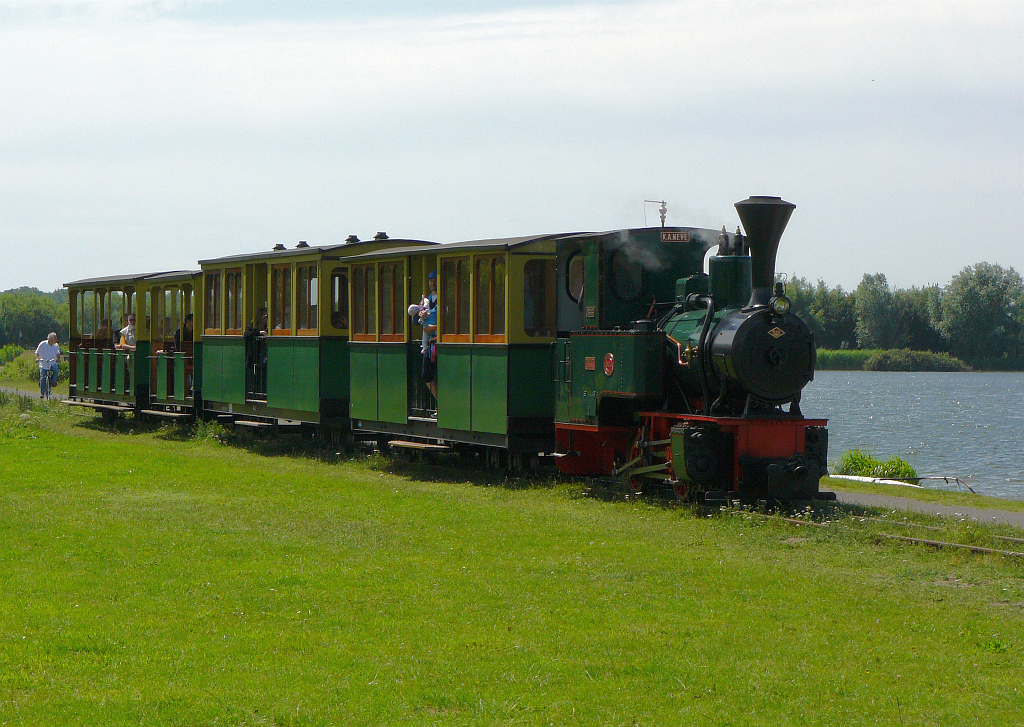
(47, 357)
(428, 317)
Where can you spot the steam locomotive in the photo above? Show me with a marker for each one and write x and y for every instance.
(693, 398)
(612, 352)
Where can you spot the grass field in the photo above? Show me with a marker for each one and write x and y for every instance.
(153, 577)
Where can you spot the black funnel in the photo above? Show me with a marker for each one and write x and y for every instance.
(764, 220)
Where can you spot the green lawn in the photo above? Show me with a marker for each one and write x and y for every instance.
(150, 578)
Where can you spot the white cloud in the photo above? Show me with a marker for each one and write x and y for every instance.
(184, 127)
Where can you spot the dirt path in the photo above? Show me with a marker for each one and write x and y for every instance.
(891, 502)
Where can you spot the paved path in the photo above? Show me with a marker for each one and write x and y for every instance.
(891, 502)
(26, 392)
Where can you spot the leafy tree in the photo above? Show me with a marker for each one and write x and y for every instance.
(875, 306)
(27, 317)
(914, 315)
(801, 296)
(836, 310)
(982, 312)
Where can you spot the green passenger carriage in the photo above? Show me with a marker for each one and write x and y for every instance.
(275, 334)
(154, 377)
(496, 325)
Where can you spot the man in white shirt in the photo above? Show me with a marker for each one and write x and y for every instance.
(127, 335)
(47, 356)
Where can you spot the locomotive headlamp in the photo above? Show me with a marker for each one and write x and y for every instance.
(780, 305)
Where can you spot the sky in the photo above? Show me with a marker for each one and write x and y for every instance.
(145, 136)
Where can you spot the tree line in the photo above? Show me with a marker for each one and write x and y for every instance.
(27, 315)
(978, 317)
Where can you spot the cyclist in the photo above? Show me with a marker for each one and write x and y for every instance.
(47, 356)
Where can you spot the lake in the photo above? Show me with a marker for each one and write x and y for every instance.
(966, 425)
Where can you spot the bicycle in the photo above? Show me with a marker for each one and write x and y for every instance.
(46, 381)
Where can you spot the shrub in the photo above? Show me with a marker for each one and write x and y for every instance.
(24, 368)
(907, 360)
(861, 464)
(887, 360)
(842, 360)
(10, 352)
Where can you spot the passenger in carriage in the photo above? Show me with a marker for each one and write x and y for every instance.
(428, 346)
(104, 336)
(126, 336)
(179, 338)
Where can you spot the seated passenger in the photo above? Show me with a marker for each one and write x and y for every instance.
(126, 341)
(103, 334)
(187, 337)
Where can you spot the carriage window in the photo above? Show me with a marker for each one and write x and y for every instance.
(212, 312)
(627, 275)
(490, 298)
(88, 313)
(574, 277)
(172, 317)
(233, 309)
(281, 300)
(364, 302)
(117, 313)
(539, 298)
(454, 298)
(392, 301)
(339, 298)
(306, 292)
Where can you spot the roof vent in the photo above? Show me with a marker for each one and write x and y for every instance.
(381, 236)
(302, 243)
(351, 238)
(278, 247)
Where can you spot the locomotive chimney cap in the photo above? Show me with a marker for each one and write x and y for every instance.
(279, 246)
(351, 238)
(764, 220)
(302, 243)
(381, 236)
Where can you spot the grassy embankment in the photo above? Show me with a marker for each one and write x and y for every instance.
(154, 577)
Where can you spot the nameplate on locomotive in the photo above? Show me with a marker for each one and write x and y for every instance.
(675, 236)
(776, 332)
(590, 363)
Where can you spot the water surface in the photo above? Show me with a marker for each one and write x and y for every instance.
(966, 425)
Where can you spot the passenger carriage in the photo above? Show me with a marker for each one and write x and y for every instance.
(154, 378)
(496, 324)
(275, 334)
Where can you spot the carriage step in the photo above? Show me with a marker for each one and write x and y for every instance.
(101, 407)
(167, 414)
(404, 444)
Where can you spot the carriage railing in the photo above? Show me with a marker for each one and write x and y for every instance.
(97, 373)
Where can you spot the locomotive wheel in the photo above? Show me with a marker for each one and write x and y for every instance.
(636, 484)
(680, 490)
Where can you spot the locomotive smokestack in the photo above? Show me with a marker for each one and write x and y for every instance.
(764, 219)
